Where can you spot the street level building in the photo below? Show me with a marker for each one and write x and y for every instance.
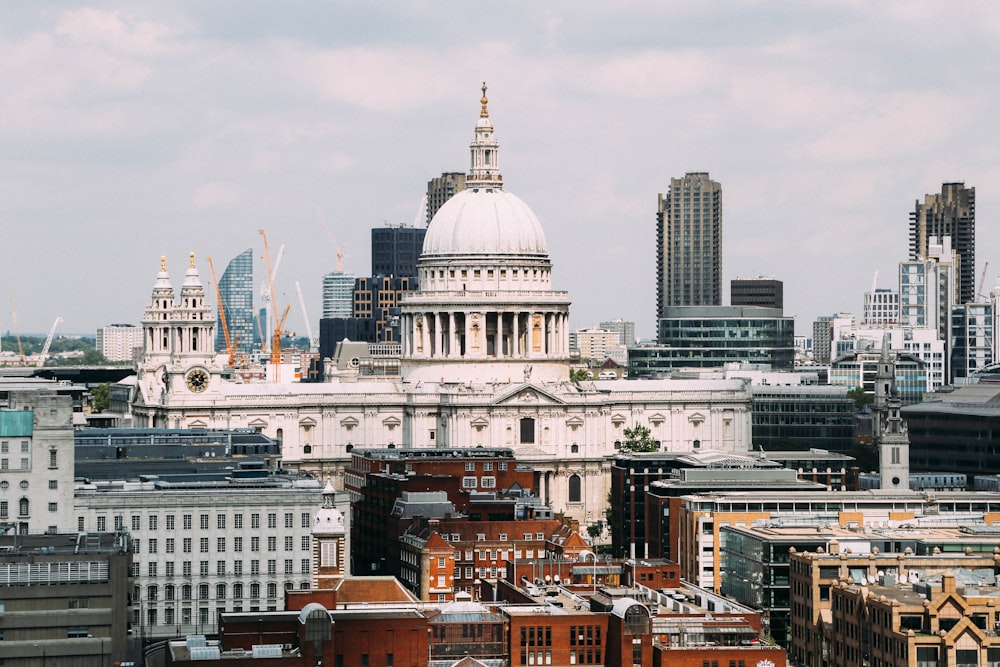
(65, 599)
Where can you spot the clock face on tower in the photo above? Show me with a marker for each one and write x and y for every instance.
(196, 379)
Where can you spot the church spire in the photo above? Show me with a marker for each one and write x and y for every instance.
(485, 169)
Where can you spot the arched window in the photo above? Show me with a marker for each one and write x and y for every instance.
(574, 448)
(305, 585)
(575, 495)
(220, 591)
(307, 449)
(289, 585)
(272, 590)
(186, 592)
(168, 592)
(23, 506)
(527, 430)
(203, 592)
(279, 434)
(254, 591)
(237, 591)
(151, 592)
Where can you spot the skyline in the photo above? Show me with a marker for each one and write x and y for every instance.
(166, 129)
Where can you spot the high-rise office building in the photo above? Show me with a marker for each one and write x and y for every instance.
(441, 189)
(951, 213)
(395, 250)
(764, 292)
(236, 289)
(689, 243)
(624, 328)
(338, 294)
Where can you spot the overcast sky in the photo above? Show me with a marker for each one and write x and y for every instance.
(134, 130)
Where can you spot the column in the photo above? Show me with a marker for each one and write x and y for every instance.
(515, 335)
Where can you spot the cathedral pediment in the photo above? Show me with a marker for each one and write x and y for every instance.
(527, 394)
(258, 423)
(696, 418)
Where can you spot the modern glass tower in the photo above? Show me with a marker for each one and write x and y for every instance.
(689, 243)
(236, 288)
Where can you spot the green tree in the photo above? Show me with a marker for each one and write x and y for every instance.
(639, 439)
(100, 397)
(579, 374)
(93, 357)
(860, 397)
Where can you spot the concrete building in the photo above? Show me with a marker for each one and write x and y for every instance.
(36, 462)
(973, 339)
(440, 190)
(951, 213)
(119, 342)
(204, 544)
(689, 243)
(65, 600)
(236, 292)
(763, 291)
(624, 328)
(881, 308)
(598, 344)
(803, 417)
(484, 361)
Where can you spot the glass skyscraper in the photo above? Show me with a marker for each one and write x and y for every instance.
(236, 288)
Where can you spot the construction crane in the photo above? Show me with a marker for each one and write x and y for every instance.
(48, 342)
(982, 281)
(279, 323)
(313, 342)
(339, 249)
(17, 332)
(267, 294)
(230, 347)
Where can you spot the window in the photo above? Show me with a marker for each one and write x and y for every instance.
(527, 430)
(238, 521)
(470, 466)
(203, 568)
(53, 507)
(306, 522)
(170, 545)
(272, 520)
(187, 545)
(237, 591)
(254, 567)
(220, 591)
(187, 522)
(151, 569)
(170, 568)
(22, 507)
(272, 566)
(102, 524)
(238, 568)
(238, 544)
(186, 569)
(272, 543)
(220, 544)
(136, 522)
(203, 592)
(170, 522)
(53, 459)
(469, 482)
(254, 544)
(152, 546)
(305, 565)
(289, 520)
(203, 521)
(220, 521)
(289, 542)
(305, 543)
(220, 567)
(488, 482)
(289, 566)
(255, 520)
(575, 492)
(4, 510)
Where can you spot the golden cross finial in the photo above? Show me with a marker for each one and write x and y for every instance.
(484, 113)
(191, 260)
(163, 262)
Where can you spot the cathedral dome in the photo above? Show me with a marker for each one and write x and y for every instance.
(484, 221)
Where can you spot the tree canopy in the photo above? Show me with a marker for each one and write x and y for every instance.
(639, 438)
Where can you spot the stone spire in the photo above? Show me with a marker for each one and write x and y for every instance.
(485, 169)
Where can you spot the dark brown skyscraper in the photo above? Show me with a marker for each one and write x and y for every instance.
(951, 213)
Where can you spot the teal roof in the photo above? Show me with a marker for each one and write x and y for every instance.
(16, 423)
